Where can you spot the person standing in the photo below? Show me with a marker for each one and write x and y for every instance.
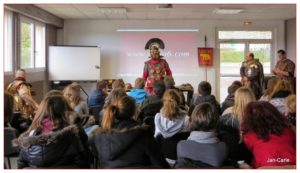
(155, 69)
(285, 68)
(21, 91)
(252, 74)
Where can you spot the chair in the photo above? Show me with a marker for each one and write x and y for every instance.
(169, 145)
(9, 149)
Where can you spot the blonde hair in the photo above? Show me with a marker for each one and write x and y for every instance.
(72, 94)
(171, 102)
(290, 103)
(281, 85)
(270, 86)
(242, 97)
(124, 108)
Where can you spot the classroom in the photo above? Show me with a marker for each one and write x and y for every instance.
(149, 86)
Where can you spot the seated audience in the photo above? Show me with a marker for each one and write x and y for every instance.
(270, 86)
(267, 135)
(229, 126)
(204, 91)
(72, 95)
(138, 93)
(229, 100)
(281, 91)
(121, 142)
(50, 141)
(171, 119)
(202, 148)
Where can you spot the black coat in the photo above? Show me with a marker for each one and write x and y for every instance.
(127, 145)
(65, 148)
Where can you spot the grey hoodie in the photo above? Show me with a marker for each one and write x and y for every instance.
(168, 128)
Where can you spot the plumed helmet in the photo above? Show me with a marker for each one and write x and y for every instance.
(155, 43)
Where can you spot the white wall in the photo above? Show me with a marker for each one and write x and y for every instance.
(103, 33)
(291, 39)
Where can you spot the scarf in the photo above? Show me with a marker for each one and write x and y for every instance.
(204, 137)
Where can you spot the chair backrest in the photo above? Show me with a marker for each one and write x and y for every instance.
(9, 135)
(169, 145)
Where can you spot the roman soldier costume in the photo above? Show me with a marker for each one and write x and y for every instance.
(156, 68)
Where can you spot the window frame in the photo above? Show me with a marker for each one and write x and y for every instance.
(33, 49)
(8, 41)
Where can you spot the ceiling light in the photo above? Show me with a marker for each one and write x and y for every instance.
(228, 10)
(157, 30)
(164, 6)
(247, 23)
(112, 10)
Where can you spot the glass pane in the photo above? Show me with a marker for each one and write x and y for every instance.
(8, 52)
(27, 45)
(245, 34)
(39, 46)
(232, 55)
(263, 53)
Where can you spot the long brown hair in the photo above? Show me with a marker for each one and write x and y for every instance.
(55, 108)
(123, 109)
(171, 100)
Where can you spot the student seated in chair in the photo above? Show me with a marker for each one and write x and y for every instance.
(50, 141)
(202, 148)
(122, 143)
(171, 119)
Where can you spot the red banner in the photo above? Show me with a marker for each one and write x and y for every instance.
(205, 56)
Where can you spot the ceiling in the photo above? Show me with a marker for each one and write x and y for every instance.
(178, 11)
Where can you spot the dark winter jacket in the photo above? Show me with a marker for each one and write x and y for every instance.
(97, 98)
(205, 99)
(65, 148)
(127, 145)
(228, 102)
(229, 132)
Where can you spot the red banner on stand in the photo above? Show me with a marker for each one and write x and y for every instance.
(205, 56)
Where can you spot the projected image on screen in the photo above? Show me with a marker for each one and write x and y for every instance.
(180, 52)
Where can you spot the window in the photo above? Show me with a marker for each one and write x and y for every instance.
(8, 41)
(234, 45)
(245, 34)
(32, 44)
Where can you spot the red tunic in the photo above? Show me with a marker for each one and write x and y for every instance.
(278, 151)
(155, 69)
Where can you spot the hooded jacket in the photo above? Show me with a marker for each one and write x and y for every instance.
(64, 148)
(168, 128)
(139, 95)
(127, 145)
